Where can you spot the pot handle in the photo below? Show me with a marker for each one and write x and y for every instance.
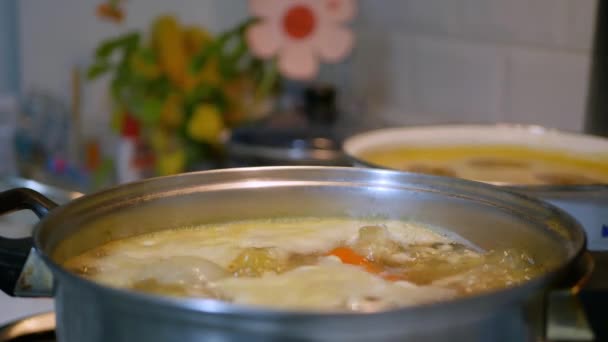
(15, 252)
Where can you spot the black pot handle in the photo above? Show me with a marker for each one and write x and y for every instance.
(14, 252)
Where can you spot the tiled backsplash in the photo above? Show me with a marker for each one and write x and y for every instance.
(527, 61)
(416, 61)
(8, 55)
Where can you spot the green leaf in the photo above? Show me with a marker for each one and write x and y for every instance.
(195, 152)
(200, 93)
(147, 55)
(115, 88)
(225, 67)
(270, 78)
(131, 43)
(245, 24)
(132, 39)
(97, 69)
(199, 60)
(107, 47)
(240, 50)
(146, 109)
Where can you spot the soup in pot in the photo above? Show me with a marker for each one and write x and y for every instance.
(335, 264)
(502, 164)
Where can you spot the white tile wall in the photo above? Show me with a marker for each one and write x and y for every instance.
(546, 87)
(475, 60)
(579, 29)
(441, 60)
(379, 60)
(535, 22)
(383, 15)
(453, 78)
(400, 68)
(443, 17)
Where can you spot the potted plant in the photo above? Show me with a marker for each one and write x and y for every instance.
(177, 89)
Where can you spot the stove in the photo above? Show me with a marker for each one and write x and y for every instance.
(594, 297)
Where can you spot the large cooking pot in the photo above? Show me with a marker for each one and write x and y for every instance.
(483, 214)
(586, 203)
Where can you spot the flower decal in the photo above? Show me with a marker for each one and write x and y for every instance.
(300, 32)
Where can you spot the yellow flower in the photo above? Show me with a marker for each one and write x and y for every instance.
(167, 40)
(172, 113)
(142, 67)
(190, 82)
(195, 39)
(160, 26)
(206, 124)
(170, 163)
(170, 153)
(159, 140)
(210, 74)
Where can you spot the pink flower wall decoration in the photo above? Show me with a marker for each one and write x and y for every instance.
(301, 32)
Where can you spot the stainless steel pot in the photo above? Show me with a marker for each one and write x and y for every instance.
(586, 203)
(482, 214)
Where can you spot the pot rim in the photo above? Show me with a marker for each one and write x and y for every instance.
(218, 307)
(531, 129)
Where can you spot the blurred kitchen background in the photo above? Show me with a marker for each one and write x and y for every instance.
(413, 62)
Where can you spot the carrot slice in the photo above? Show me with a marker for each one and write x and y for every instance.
(349, 256)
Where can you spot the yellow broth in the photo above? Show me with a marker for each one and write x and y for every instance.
(501, 164)
(334, 264)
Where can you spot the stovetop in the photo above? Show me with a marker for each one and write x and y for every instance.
(47, 336)
(36, 328)
(594, 297)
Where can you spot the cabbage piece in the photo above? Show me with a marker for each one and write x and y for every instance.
(254, 262)
(376, 244)
(179, 276)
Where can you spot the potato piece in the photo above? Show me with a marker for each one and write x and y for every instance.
(254, 262)
(497, 269)
(375, 244)
(422, 264)
(178, 276)
(182, 270)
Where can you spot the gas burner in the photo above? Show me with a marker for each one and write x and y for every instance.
(37, 328)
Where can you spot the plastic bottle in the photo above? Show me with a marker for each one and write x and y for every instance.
(127, 170)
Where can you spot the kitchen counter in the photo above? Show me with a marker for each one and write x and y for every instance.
(16, 308)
